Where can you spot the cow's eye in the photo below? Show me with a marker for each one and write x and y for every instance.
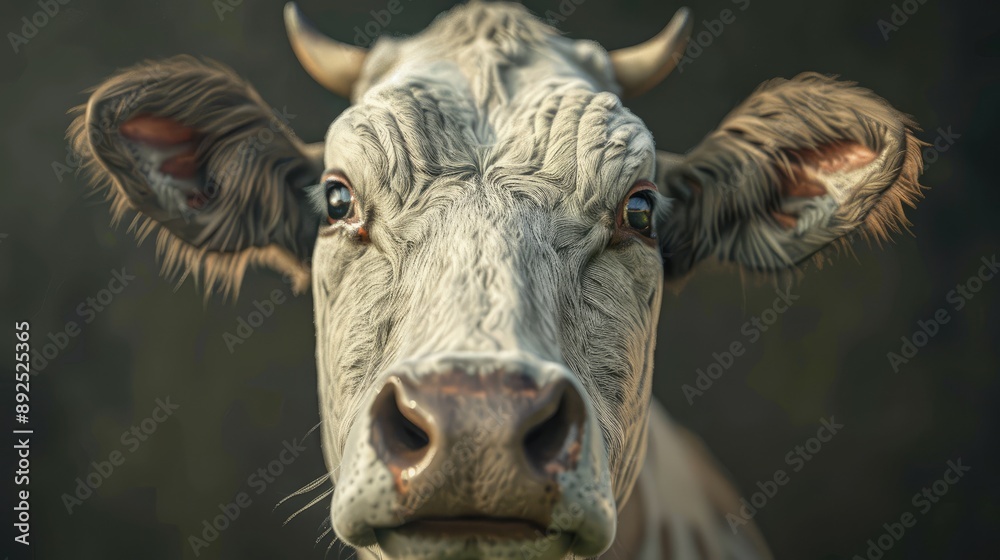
(339, 200)
(637, 212)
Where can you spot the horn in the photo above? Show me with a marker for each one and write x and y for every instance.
(642, 66)
(335, 65)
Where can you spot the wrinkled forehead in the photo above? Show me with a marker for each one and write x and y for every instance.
(554, 141)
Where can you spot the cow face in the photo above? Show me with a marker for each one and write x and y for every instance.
(493, 287)
(487, 230)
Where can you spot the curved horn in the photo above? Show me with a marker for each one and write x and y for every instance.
(642, 66)
(335, 65)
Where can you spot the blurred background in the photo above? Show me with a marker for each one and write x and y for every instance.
(111, 356)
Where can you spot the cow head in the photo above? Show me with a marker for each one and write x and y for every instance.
(487, 230)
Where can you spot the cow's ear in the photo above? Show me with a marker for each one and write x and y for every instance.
(801, 165)
(195, 151)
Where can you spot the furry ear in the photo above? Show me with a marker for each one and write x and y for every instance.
(800, 165)
(193, 148)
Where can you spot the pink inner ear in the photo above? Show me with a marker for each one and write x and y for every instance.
(165, 134)
(183, 165)
(808, 167)
(159, 132)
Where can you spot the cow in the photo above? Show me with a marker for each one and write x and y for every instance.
(487, 232)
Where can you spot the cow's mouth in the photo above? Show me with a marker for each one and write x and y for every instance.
(472, 526)
(466, 533)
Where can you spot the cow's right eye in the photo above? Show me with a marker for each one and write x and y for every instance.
(638, 213)
(339, 200)
(635, 215)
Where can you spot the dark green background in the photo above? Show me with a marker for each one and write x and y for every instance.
(825, 356)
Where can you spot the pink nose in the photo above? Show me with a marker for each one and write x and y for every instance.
(466, 416)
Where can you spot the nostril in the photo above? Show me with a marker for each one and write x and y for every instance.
(554, 443)
(396, 432)
(544, 441)
(410, 435)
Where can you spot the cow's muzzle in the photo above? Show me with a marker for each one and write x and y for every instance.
(458, 416)
(477, 459)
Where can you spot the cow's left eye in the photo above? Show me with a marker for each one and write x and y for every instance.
(339, 200)
(637, 212)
